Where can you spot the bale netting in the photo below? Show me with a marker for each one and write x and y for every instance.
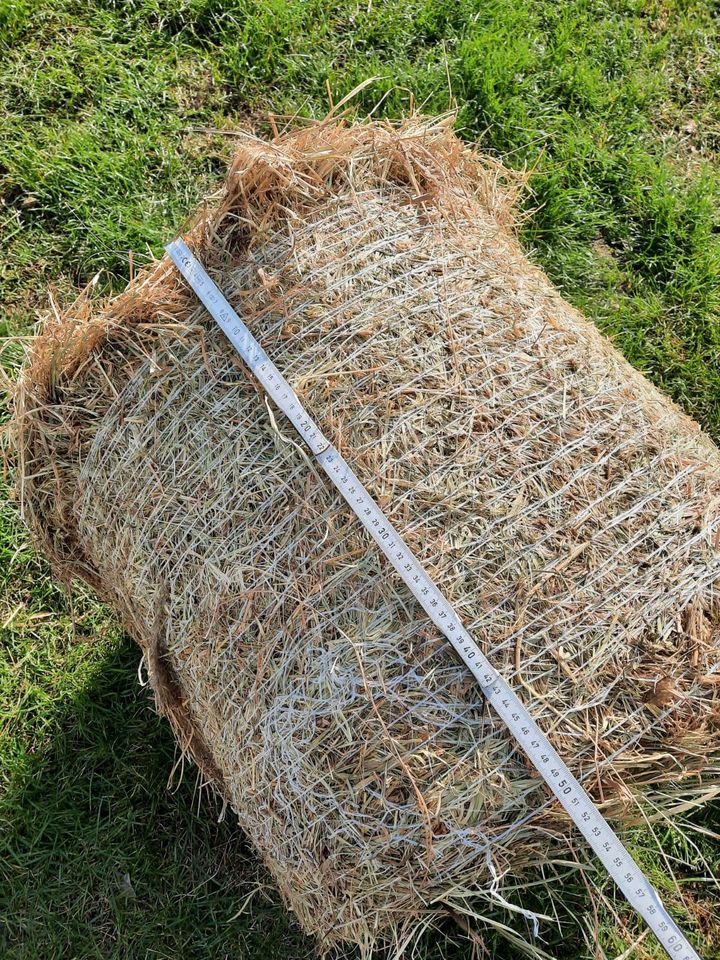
(569, 510)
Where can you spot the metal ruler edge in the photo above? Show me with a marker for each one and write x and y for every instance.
(618, 862)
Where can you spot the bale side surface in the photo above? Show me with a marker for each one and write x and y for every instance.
(567, 508)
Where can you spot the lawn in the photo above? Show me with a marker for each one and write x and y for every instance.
(116, 118)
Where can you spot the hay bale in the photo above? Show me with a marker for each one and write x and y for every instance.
(567, 508)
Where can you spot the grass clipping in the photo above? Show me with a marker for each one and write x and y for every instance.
(567, 509)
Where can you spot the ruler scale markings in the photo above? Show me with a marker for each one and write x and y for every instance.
(587, 818)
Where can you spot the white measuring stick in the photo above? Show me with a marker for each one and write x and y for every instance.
(598, 833)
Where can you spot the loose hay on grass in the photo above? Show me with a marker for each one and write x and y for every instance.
(567, 508)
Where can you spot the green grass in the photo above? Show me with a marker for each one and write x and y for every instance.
(106, 109)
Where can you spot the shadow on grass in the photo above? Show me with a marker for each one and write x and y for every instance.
(98, 858)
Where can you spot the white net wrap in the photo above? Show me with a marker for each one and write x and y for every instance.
(568, 511)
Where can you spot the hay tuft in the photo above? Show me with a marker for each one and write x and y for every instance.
(569, 511)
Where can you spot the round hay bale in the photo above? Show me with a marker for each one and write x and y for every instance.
(567, 508)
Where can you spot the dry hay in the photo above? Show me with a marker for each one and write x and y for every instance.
(568, 509)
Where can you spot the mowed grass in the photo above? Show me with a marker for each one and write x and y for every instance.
(109, 122)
